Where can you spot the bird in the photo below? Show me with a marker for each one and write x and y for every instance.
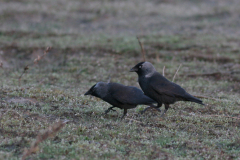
(120, 96)
(160, 89)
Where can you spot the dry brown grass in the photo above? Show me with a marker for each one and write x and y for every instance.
(49, 133)
(36, 60)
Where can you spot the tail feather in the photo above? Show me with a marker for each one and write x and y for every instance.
(189, 97)
(146, 100)
(196, 100)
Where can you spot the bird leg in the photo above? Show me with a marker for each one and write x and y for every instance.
(124, 113)
(152, 106)
(110, 109)
(166, 108)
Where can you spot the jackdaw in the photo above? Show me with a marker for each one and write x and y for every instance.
(120, 96)
(157, 87)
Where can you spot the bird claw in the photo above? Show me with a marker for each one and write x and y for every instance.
(122, 118)
(113, 110)
(159, 110)
(108, 110)
(163, 114)
(145, 110)
(150, 107)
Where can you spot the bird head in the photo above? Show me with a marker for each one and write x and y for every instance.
(98, 90)
(144, 68)
(91, 90)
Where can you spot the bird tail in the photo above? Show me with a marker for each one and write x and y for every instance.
(196, 100)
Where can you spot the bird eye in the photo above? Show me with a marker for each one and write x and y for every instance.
(140, 66)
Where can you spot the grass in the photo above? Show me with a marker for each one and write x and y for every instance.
(89, 44)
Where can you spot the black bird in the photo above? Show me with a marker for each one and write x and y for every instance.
(120, 96)
(157, 87)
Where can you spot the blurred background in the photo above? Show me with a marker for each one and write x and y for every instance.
(123, 17)
(206, 29)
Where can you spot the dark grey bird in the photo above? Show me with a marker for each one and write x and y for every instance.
(157, 87)
(120, 96)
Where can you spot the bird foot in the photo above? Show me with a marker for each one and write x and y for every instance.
(145, 110)
(163, 114)
(108, 110)
(122, 117)
(159, 110)
(112, 110)
(150, 107)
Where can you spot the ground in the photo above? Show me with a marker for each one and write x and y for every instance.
(92, 40)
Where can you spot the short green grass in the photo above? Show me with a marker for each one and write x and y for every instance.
(89, 45)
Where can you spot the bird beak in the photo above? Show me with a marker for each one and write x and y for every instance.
(134, 69)
(88, 93)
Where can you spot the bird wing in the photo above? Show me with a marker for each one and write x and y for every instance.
(122, 97)
(164, 87)
(161, 86)
(120, 93)
(131, 96)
